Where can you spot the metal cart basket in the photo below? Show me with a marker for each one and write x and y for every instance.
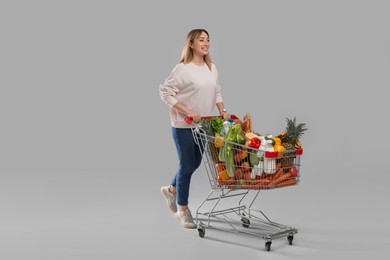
(253, 170)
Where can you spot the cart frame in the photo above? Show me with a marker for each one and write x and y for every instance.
(243, 218)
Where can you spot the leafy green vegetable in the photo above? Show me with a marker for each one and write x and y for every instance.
(229, 163)
(226, 153)
(232, 133)
(223, 152)
(216, 124)
(240, 138)
(206, 126)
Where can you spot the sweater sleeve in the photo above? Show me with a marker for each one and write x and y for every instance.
(218, 97)
(170, 87)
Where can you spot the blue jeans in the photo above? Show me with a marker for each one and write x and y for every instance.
(190, 157)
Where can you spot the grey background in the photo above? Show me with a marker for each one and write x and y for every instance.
(86, 144)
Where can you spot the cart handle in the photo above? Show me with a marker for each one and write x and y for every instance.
(273, 154)
(189, 119)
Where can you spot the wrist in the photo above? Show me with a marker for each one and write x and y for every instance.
(222, 111)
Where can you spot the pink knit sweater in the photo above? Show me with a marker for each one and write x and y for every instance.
(194, 86)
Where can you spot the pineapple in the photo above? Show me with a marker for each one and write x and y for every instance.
(290, 140)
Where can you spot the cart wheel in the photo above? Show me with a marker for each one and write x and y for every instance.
(245, 222)
(290, 239)
(268, 245)
(201, 231)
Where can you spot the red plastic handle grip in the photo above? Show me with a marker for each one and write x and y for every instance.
(189, 119)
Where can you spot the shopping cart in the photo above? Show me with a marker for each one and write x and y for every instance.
(253, 170)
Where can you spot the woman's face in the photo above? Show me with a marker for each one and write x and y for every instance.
(201, 45)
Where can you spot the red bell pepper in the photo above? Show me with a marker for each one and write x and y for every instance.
(254, 142)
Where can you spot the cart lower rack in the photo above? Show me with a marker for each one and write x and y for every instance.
(242, 178)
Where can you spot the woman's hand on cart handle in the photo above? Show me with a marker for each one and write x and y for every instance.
(226, 115)
(195, 117)
(190, 119)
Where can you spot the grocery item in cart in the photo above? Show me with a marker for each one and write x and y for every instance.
(245, 165)
(269, 162)
(226, 153)
(290, 139)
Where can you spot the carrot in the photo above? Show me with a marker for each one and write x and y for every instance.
(287, 182)
(280, 179)
(277, 174)
(261, 183)
(266, 176)
(278, 166)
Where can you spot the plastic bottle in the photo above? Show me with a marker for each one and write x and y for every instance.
(263, 146)
(259, 168)
(225, 129)
(269, 163)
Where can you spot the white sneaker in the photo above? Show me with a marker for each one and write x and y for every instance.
(170, 198)
(185, 219)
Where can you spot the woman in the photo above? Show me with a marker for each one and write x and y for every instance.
(191, 90)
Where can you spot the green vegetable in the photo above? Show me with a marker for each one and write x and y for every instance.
(234, 130)
(226, 153)
(253, 158)
(216, 124)
(229, 163)
(206, 126)
(240, 139)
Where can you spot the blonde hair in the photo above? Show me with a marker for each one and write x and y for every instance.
(188, 54)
